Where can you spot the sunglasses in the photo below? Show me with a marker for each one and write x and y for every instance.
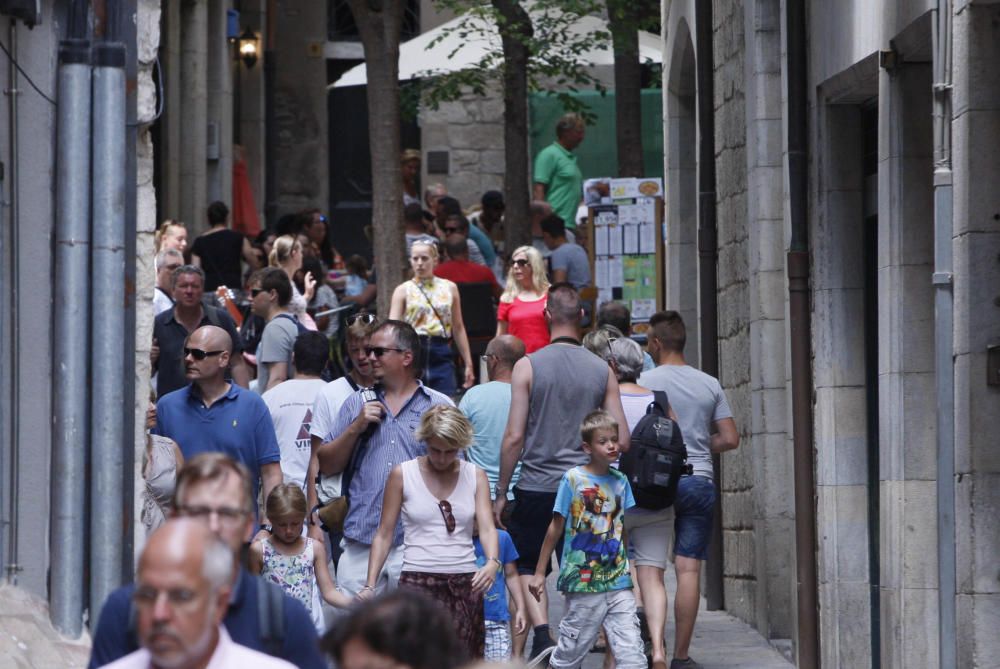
(198, 354)
(379, 351)
(520, 262)
(449, 518)
(450, 230)
(365, 318)
(254, 292)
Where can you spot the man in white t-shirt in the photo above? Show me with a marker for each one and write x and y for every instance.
(332, 395)
(291, 406)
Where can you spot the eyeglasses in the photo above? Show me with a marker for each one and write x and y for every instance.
(198, 354)
(172, 266)
(145, 596)
(520, 262)
(449, 518)
(254, 292)
(227, 515)
(487, 356)
(379, 351)
(365, 318)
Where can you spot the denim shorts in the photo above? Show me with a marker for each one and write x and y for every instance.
(529, 521)
(694, 509)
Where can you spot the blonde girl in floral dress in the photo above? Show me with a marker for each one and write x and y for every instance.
(295, 562)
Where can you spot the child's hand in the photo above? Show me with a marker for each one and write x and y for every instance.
(536, 586)
(520, 624)
(339, 600)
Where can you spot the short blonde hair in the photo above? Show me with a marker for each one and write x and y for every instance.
(286, 500)
(595, 420)
(447, 424)
(539, 280)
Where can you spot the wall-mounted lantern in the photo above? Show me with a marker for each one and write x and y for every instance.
(247, 45)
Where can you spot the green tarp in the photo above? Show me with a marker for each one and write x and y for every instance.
(598, 154)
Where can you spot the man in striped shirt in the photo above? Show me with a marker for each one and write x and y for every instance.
(371, 437)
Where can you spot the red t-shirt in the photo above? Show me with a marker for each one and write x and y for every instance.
(526, 321)
(463, 271)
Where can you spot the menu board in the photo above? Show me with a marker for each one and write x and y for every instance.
(626, 250)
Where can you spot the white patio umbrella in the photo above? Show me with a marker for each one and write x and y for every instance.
(456, 53)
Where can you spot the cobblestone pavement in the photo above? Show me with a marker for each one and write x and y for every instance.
(720, 640)
(27, 639)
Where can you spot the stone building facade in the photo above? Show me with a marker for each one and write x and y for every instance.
(883, 377)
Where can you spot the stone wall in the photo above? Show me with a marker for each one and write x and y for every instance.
(147, 43)
(471, 131)
(729, 52)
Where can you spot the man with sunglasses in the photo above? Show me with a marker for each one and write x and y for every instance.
(172, 328)
(371, 437)
(328, 402)
(212, 414)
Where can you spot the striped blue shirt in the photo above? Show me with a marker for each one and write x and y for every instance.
(391, 443)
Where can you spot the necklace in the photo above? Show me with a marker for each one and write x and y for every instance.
(566, 340)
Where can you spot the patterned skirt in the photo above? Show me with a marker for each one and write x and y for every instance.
(454, 592)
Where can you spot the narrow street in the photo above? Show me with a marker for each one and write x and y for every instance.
(720, 640)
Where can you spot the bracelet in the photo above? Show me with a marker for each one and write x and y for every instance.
(497, 560)
(367, 587)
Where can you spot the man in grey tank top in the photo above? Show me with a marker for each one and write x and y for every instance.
(552, 390)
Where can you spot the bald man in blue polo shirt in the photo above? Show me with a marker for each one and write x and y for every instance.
(212, 414)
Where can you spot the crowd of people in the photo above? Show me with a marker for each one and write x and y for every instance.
(308, 473)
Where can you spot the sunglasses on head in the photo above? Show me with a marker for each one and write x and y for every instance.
(363, 316)
(449, 518)
(379, 351)
(198, 354)
(520, 262)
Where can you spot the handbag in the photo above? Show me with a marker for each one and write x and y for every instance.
(333, 513)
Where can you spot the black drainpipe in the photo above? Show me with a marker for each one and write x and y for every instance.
(800, 327)
(708, 254)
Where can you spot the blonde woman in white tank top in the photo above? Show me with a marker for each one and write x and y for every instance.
(441, 498)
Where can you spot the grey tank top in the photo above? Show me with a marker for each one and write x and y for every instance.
(567, 383)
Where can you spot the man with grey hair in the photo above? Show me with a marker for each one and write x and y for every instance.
(182, 593)
(165, 263)
(172, 328)
(214, 491)
(557, 177)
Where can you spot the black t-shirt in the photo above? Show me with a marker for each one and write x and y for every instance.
(220, 253)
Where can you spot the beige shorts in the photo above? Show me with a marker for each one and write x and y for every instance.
(650, 537)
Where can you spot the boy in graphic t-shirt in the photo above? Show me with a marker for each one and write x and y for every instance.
(590, 508)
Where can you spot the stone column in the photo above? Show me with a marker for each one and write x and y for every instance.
(907, 468)
(975, 129)
(194, 113)
(769, 507)
(219, 108)
(302, 162)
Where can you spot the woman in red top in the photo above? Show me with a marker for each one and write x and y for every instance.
(523, 301)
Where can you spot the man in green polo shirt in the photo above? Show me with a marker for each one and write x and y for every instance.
(558, 179)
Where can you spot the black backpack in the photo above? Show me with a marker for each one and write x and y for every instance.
(656, 457)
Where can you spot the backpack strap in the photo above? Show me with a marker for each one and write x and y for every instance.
(661, 402)
(270, 617)
(213, 317)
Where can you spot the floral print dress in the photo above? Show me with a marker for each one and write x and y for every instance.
(296, 575)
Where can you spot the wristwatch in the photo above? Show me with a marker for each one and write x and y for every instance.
(497, 560)
(497, 491)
